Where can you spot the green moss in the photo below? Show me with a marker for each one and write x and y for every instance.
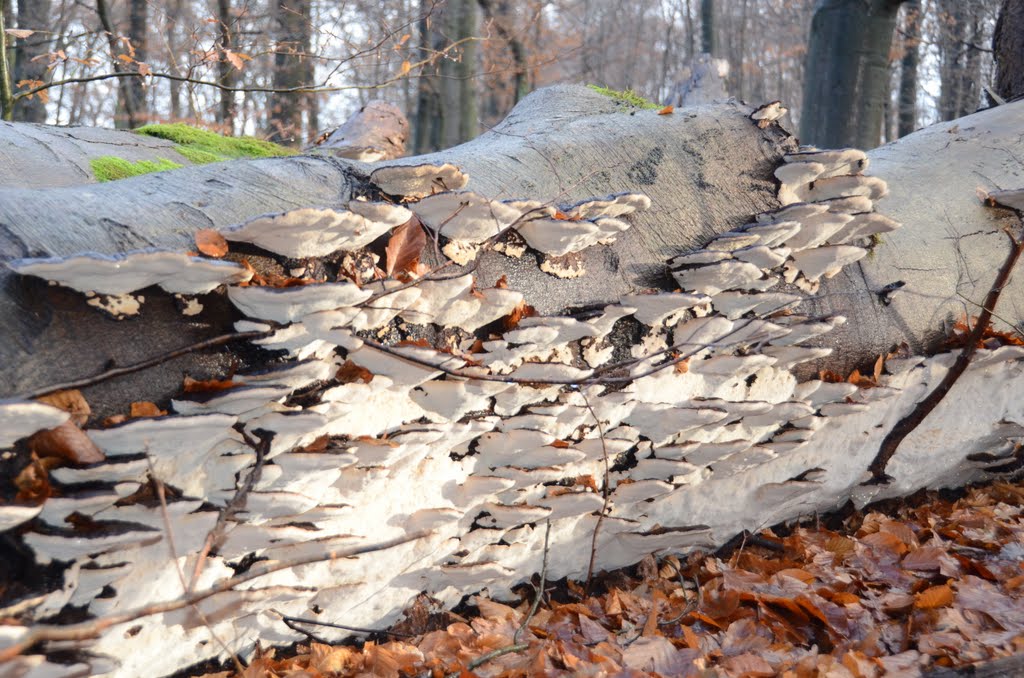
(198, 157)
(202, 146)
(628, 97)
(111, 168)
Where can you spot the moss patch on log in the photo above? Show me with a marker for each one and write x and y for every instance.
(201, 146)
(111, 168)
(626, 96)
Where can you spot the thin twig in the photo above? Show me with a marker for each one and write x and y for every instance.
(909, 423)
(516, 646)
(92, 628)
(358, 629)
(215, 537)
(145, 364)
(604, 492)
(162, 496)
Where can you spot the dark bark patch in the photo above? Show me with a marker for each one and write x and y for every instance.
(645, 171)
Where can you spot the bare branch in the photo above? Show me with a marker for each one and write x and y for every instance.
(91, 629)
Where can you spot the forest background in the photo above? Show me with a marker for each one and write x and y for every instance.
(287, 70)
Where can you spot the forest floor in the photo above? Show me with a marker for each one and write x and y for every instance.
(910, 588)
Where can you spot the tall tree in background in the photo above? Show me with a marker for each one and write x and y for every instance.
(291, 36)
(138, 34)
(847, 75)
(959, 35)
(708, 35)
(29, 56)
(226, 112)
(447, 110)
(1008, 45)
(907, 105)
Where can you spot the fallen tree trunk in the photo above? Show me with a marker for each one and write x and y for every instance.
(623, 415)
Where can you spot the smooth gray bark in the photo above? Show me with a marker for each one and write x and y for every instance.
(847, 74)
(1008, 45)
(29, 62)
(907, 111)
(706, 169)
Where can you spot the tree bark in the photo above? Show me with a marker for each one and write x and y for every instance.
(708, 34)
(29, 62)
(847, 74)
(138, 33)
(226, 112)
(1008, 45)
(291, 34)
(683, 458)
(908, 69)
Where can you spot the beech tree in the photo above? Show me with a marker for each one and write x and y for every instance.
(847, 73)
(391, 432)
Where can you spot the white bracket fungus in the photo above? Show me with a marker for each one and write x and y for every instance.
(418, 181)
(123, 273)
(313, 232)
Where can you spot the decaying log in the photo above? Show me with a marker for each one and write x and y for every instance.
(691, 272)
(377, 131)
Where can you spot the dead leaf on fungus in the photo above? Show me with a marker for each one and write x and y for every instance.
(404, 247)
(68, 442)
(71, 401)
(211, 243)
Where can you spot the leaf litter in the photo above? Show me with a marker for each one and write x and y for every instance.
(934, 582)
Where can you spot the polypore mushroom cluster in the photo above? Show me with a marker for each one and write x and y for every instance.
(482, 439)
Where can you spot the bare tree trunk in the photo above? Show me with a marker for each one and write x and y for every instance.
(174, 15)
(429, 112)
(708, 34)
(29, 62)
(226, 112)
(908, 69)
(847, 74)
(459, 75)
(138, 33)
(291, 34)
(124, 111)
(1008, 45)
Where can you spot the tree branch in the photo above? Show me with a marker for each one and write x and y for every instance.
(91, 629)
(136, 367)
(910, 422)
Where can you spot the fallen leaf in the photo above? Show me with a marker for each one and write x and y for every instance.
(667, 110)
(144, 408)
(936, 596)
(404, 247)
(211, 243)
(211, 385)
(33, 481)
(350, 373)
(512, 320)
(68, 442)
(71, 401)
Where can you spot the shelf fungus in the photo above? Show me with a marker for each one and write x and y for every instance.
(318, 232)
(418, 181)
(443, 424)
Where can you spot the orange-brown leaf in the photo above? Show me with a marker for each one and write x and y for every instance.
(211, 243)
(144, 408)
(936, 596)
(350, 373)
(71, 401)
(512, 320)
(211, 385)
(33, 481)
(68, 442)
(667, 110)
(404, 247)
